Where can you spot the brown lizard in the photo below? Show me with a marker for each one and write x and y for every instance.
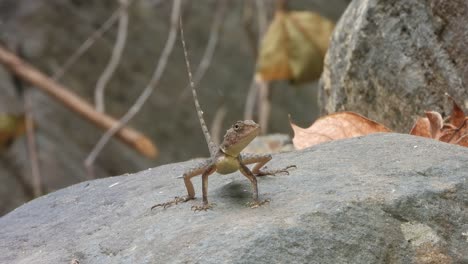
(226, 158)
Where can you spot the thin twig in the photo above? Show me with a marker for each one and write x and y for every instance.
(252, 95)
(161, 65)
(10, 165)
(250, 101)
(207, 57)
(115, 58)
(217, 124)
(262, 19)
(247, 21)
(264, 105)
(31, 144)
(89, 42)
(24, 94)
(74, 102)
(211, 146)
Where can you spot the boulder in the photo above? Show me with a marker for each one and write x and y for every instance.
(392, 60)
(384, 198)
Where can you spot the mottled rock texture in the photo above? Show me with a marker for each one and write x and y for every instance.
(392, 60)
(384, 198)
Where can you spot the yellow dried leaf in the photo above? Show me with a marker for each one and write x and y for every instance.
(11, 127)
(294, 47)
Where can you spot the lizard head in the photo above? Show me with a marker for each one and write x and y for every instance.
(239, 136)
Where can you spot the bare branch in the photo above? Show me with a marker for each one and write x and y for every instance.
(31, 145)
(252, 95)
(64, 95)
(115, 58)
(211, 146)
(264, 105)
(207, 57)
(250, 101)
(217, 124)
(262, 19)
(89, 42)
(161, 65)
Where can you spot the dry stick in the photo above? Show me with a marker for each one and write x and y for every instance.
(10, 164)
(31, 144)
(39, 80)
(264, 106)
(210, 48)
(24, 94)
(89, 42)
(211, 145)
(250, 100)
(247, 17)
(252, 95)
(217, 124)
(114, 60)
(161, 65)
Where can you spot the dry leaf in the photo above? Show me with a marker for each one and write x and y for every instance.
(436, 123)
(457, 116)
(11, 127)
(335, 126)
(463, 141)
(294, 47)
(453, 132)
(421, 128)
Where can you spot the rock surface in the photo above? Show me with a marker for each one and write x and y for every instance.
(385, 198)
(393, 60)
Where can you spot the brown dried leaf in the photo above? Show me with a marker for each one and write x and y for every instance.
(436, 122)
(455, 131)
(458, 116)
(421, 128)
(335, 126)
(463, 141)
(294, 47)
(449, 136)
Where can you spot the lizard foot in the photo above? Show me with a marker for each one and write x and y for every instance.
(173, 202)
(257, 203)
(203, 207)
(275, 172)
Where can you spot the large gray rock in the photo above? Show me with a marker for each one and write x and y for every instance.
(391, 60)
(385, 198)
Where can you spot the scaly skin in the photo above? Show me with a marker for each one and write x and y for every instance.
(228, 159)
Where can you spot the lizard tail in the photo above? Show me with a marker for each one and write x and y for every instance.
(211, 144)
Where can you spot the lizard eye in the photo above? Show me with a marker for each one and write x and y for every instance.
(236, 126)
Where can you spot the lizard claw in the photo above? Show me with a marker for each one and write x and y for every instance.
(257, 203)
(203, 207)
(171, 203)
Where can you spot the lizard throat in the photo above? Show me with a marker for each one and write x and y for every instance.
(226, 152)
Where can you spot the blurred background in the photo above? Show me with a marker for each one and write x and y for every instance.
(47, 33)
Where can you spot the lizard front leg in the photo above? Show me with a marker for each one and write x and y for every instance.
(253, 180)
(200, 169)
(205, 206)
(261, 160)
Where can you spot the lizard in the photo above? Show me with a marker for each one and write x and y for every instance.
(225, 158)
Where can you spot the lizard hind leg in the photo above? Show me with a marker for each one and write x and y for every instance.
(247, 173)
(188, 185)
